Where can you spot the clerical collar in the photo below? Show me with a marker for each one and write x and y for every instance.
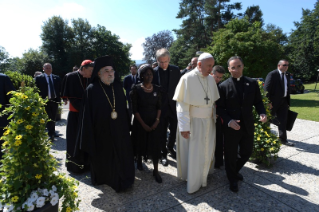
(237, 79)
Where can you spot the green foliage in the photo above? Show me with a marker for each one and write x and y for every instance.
(17, 78)
(250, 42)
(303, 45)
(4, 56)
(67, 46)
(266, 144)
(27, 163)
(33, 61)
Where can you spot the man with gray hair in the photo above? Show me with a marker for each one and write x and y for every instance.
(196, 94)
(167, 76)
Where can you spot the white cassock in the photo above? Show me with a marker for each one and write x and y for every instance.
(195, 114)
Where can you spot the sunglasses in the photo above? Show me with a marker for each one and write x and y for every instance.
(285, 65)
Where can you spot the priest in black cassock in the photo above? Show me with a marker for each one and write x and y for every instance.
(73, 87)
(105, 130)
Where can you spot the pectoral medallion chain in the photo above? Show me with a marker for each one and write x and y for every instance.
(206, 92)
(113, 113)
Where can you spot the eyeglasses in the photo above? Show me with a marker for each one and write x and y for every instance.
(285, 65)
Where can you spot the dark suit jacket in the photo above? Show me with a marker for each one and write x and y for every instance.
(127, 84)
(42, 84)
(174, 76)
(5, 86)
(228, 105)
(274, 88)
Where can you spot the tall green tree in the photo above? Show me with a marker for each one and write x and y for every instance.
(303, 45)
(200, 19)
(81, 47)
(4, 56)
(258, 48)
(106, 43)
(33, 61)
(162, 39)
(253, 14)
(57, 37)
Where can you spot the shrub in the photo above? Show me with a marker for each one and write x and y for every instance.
(17, 78)
(266, 144)
(28, 174)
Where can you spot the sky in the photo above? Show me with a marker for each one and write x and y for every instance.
(131, 20)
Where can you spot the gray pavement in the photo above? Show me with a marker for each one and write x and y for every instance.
(291, 184)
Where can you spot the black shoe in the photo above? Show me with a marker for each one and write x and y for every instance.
(56, 135)
(287, 143)
(51, 138)
(240, 177)
(164, 161)
(157, 177)
(172, 152)
(139, 166)
(233, 186)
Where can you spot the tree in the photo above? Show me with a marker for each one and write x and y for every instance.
(253, 14)
(4, 56)
(303, 45)
(200, 19)
(106, 43)
(258, 48)
(57, 37)
(162, 39)
(81, 47)
(33, 61)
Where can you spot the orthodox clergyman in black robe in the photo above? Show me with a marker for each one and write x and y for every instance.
(104, 133)
(73, 87)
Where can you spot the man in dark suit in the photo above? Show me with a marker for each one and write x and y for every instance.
(167, 76)
(128, 81)
(238, 95)
(277, 85)
(218, 73)
(5, 86)
(49, 86)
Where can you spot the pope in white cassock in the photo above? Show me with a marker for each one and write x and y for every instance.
(195, 95)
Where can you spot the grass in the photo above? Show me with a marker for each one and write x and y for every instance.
(307, 104)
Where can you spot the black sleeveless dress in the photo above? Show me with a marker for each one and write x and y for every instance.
(146, 144)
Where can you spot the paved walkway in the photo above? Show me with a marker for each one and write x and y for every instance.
(291, 184)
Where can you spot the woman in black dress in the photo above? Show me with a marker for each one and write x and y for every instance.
(146, 105)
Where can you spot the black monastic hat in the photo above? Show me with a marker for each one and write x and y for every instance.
(100, 63)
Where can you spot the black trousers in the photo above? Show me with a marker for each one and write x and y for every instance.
(78, 163)
(234, 139)
(168, 120)
(219, 150)
(281, 116)
(51, 108)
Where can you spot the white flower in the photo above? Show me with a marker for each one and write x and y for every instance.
(54, 201)
(54, 188)
(51, 192)
(1, 206)
(55, 195)
(40, 202)
(56, 173)
(45, 192)
(39, 190)
(29, 200)
(30, 207)
(7, 208)
(34, 196)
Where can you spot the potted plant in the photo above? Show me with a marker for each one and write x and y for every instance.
(266, 144)
(29, 180)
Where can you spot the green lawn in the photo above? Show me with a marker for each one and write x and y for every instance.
(307, 104)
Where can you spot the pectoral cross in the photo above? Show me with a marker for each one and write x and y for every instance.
(207, 99)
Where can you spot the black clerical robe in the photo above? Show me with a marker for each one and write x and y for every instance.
(107, 140)
(73, 87)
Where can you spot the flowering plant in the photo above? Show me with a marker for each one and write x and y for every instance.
(266, 144)
(28, 176)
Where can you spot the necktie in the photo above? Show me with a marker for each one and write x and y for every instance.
(283, 83)
(51, 88)
(134, 81)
